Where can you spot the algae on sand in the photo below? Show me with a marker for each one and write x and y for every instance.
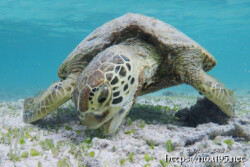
(145, 134)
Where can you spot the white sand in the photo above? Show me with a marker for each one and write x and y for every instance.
(71, 145)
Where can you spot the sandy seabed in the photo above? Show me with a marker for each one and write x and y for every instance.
(157, 127)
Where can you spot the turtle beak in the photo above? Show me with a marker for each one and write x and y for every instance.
(113, 124)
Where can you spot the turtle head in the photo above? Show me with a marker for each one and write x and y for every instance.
(105, 93)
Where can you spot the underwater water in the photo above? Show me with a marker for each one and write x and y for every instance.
(36, 36)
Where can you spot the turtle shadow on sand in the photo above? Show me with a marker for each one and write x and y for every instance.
(58, 118)
(204, 111)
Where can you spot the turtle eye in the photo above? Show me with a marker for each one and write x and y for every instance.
(104, 94)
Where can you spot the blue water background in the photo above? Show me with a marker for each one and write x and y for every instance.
(36, 36)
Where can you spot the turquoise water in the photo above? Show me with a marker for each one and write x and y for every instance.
(36, 36)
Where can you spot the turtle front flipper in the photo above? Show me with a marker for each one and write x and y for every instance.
(49, 100)
(214, 91)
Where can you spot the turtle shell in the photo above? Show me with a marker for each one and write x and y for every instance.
(163, 36)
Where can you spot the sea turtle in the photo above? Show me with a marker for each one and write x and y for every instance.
(127, 57)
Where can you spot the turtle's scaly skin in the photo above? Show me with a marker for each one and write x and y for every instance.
(107, 88)
(57, 94)
(129, 56)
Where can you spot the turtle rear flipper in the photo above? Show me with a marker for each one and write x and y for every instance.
(214, 91)
(49, 100)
